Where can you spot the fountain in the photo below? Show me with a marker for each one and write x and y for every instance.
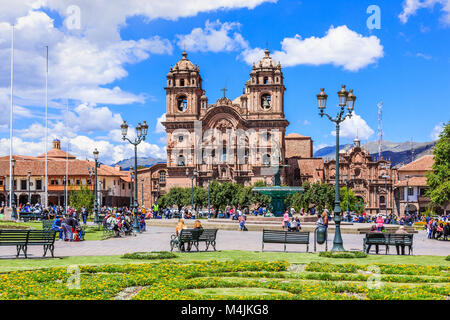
(277, 192)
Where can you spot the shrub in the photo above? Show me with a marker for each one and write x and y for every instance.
(343, 254)
(150, 255)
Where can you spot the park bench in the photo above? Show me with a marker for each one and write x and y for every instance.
(209, 237)
(24, 238)
(375, 239)
(406, 240)
(194, 236)
(389, 239)
(285, 237)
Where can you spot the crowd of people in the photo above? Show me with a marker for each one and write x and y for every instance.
(437, 228)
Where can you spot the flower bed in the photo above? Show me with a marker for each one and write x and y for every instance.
(229, 280)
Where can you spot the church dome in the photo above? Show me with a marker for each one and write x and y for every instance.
(184, 64)
(266, 61)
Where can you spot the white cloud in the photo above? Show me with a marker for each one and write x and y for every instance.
(159, 127)
(215, 37)
(424, 56)
(340, 47)
(410, 8)
(306, 122)
(87, 118)
(354, 127)
(252, 55)
(437, 131)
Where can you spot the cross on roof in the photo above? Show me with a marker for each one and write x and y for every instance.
(224, 91)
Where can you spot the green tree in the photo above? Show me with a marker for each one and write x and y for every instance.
(82, 197)
(354, 203)
(438, 180)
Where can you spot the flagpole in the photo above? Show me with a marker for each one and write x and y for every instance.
(11, 120)
(67, 159)
(46, 133)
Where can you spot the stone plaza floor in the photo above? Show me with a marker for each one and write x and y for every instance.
(158, 238)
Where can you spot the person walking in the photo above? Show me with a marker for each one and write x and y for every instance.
(84, 214)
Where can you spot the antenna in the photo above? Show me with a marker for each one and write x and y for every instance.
(380, 130)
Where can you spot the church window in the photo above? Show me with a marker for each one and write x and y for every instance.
(181, 162)
(266, 80)
(182, 82)
(182, 103)
(224, 154)
(203, 104)
(180, 138)
(266, 101)
(170, 82)
(276, 79)
(193, 81)
(162, 176)
(382, 199)
(266, 160)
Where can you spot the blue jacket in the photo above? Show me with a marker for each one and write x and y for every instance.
(56, 224)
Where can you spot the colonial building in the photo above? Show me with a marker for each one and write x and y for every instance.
(29, 179)
(412, 186)
(241, 140)
(370, 180)
(152, 184)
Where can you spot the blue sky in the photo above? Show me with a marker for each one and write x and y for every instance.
(113, 67)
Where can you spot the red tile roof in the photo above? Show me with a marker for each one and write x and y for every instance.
(424, 163)
(413, 182)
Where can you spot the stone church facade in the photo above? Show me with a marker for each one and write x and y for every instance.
(241, 140)
(372, 181)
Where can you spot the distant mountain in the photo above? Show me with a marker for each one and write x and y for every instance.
(399, 153)
(141, 161)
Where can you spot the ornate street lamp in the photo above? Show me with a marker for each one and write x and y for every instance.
(194, 175)
(96, 165)
(345, 99)
(141, 133)
(12, 187)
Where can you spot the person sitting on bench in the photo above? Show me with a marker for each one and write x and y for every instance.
(400, 230)
(373, 229)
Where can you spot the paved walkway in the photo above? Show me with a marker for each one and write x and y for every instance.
(157, 239)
